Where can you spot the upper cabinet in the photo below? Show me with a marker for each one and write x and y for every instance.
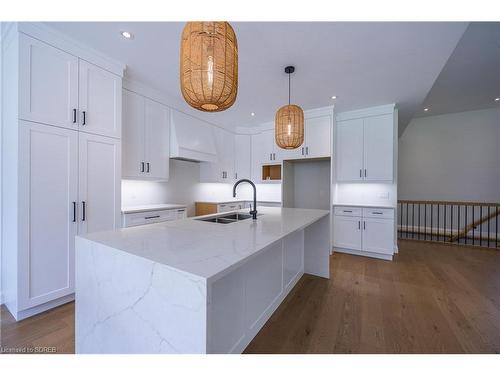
(221, 170)
(365, 148)
(59, 89)
(317, 137)
(242, 156)
(100, 100)
(48, 84)
(146, 138)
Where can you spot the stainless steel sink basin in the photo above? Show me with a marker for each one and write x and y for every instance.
(226, 219)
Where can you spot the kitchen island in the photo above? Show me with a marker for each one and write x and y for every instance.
(192, 286)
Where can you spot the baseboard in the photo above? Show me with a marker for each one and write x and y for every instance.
(20, 315)
(364, 253)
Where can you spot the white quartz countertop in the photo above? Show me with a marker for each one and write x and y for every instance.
(207, 249)
(151, 207)
(368, 205)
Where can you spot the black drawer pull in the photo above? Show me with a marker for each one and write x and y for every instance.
(377, 213)
(84, 118)
(83, 211)
(152, 217)
(347, 211)
(74, 212)
(74, 115)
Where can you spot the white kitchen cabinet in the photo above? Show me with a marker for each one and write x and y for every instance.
(99, 100)
(149, 217)
(146, 138)
(48, 196)
(378, 148)
(157, 140)
(350, 150)
(242, 157)
(264, 152)
(364, 231)
(99, 183)
(133, 137)
(378, 235)
(365, 149)
(59, 89)
(48, 84)
(317, 137)
(221, 170)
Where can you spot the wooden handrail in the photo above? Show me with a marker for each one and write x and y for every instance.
(451, 203)
(478, 222)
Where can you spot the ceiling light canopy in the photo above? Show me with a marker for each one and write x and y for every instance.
(289, 122)
(209, 65)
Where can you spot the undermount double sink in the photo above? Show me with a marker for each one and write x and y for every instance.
(226, 219)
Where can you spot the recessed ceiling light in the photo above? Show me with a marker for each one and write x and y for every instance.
(426, 109)
(497, 99)
(334, 97)
(127, 35)
(252, 114)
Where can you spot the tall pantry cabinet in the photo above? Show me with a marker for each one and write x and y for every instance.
(61, 162)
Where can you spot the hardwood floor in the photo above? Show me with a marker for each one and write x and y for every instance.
(431, 299)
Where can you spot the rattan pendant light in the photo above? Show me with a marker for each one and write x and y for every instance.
(209, 65)
(289, 122)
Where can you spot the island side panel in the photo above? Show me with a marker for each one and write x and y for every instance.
(317, 248)
(242, 301)
(128, 304)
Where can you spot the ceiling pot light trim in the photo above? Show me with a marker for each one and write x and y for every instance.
(289, 122)
(209, 65)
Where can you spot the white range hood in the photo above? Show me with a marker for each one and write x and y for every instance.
(191, 139)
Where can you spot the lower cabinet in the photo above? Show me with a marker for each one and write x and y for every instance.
(150, 217)
(364, 231)
(69, 184)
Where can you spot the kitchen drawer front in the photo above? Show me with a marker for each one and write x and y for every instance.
(150, 217)
(225, 207)
(380, 213)
(348, 211)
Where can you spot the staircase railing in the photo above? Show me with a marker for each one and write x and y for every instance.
(462, 223)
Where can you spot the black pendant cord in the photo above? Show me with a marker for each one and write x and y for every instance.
(288, 88)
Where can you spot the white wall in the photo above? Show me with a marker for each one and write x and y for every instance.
(453, 157)
(184, 187)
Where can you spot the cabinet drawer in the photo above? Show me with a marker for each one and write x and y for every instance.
(150, 217)
(348, 211)
(381, 213)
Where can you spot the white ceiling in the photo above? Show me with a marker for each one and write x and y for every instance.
(470, 79)
(364, 64)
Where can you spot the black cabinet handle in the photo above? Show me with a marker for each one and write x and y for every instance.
(152, 217)
(377, 213)
(347, 211)
(74, 212)
(359, 225)
(302, 150)
(365, 172)
(84, 118)
(74, 115)
(307, 150)
(148, 167)
(83, 210)
(142, 166)
(364, 224)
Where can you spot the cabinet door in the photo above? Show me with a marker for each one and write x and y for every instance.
(318, 137)
(349, 148)
(347, 232)
(100, 100)
(48, 176)
(48, 84)
(157, 140)
(215, 171)
(378, 235)
(378, 148)
(242, 157)
(133, 135)
(99, 183)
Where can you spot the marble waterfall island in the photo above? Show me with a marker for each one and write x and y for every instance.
(192, 286)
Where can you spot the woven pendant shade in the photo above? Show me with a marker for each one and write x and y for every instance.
(289, 122)
(209, 65)
(289, 126)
